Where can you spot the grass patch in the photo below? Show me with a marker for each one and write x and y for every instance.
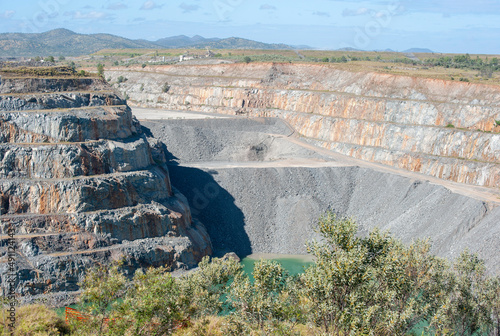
(57, 71)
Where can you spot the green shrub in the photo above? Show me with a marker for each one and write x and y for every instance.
(151, 306)
(268, 299)
(100, 69)
(121, 79)
(35, 320)
(204, 290)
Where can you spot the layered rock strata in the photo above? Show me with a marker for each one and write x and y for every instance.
(81, 185)
(441, 128)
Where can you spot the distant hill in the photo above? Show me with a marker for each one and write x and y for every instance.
(64, 42)
(412, 50)
(348, 49)
(418, 50)
(183, 41)
(240, 43)
(67, 43)
(199, 42)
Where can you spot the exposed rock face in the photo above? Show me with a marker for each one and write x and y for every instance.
(53, 101)
(81, 185)
(436, 127)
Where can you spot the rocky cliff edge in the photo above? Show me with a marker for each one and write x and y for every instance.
(81, 185)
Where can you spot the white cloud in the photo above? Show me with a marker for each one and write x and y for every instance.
(7, 14)
(117, 6)
(267, 7)
(355, 12)
(149, 5)
(93, 15)
(188, 8)
(321, 14)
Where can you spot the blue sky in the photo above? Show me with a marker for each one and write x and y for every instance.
(441, 25)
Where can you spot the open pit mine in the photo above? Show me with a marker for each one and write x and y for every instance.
(210, 159)
(415, 156)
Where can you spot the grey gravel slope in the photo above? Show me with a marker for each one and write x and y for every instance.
(253, 208)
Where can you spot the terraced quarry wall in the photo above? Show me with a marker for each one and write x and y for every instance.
(440, 128)
(81, 185)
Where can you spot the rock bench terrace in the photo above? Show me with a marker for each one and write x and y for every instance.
(440, 128)
(82, 185)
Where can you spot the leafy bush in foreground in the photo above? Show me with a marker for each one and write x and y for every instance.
(372, 285)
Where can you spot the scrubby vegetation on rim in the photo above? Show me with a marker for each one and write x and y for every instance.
(373, 285)
(54, 71)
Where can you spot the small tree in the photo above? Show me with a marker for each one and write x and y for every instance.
(491, 295)
(247, 59)
(204, 290)
(101, 288)
(467, 308)
(100, 69)
(151, 306)
(49, 59)
(268, 299)
(372, 285)
(486, 71)
(121, 79)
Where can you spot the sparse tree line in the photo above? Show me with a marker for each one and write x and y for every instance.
(485, 67)
(372, 285)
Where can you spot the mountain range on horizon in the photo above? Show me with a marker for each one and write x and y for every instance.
(64, 42)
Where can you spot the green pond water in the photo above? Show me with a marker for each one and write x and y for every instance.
(293, 264)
